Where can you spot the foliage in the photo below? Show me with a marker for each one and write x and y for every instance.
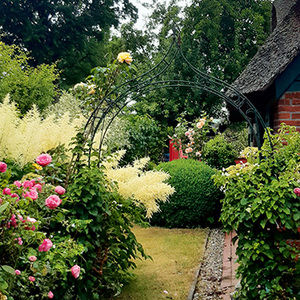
(217, 37)
(104, 229)
(196, 201)
(192, 136)
(218, 153)
(145, 138)
(145, 188)
(237, 135)
(26, 270)
(23, 139)
(262, 208)
(26, 85)
(68, 31)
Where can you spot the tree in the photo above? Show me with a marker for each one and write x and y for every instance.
(218, 37)
(25, 84)
(60, 29)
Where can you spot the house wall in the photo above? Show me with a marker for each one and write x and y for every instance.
(287, 110)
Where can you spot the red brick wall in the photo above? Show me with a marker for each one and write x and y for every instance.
(288, 110)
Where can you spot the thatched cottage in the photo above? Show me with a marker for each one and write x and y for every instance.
(271, 80)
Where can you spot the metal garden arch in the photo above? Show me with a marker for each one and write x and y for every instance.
(109, 107)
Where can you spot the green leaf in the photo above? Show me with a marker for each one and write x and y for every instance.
(297, 216)
(3, 207)
(8, 269)
(3, 285)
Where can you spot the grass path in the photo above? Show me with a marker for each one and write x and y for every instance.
(176, 254)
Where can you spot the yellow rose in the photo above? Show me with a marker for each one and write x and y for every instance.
(38, 167)
(124, 56)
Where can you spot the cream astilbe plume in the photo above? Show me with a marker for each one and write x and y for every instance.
(143, 187)
(8, 123)
(23, 139)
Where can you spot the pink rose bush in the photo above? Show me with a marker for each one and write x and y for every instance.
(75, 270)
(297, 191)
(60, 190)
(27, 209)
(52, 202)
(46, 245)
(44, 160)
(3, 167)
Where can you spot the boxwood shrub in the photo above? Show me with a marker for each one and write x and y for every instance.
(219, 153)
(196, 201)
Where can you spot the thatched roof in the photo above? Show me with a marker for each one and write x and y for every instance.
(278, 51)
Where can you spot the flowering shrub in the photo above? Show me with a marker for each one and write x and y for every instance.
(34, 260)
(143, 187)
(23, 139)
(193, 136)
(262, 205)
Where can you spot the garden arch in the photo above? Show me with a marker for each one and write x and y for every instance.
(114, 102)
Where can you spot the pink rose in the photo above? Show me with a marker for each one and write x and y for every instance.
(38, 186)
(0, 201)
(3, 167)
(44, 160)
(50, 295)
(20, 242)
(60, 190)
(47, 244)
(13, 221)
(20, 218)
(14, 195)
(33, 194)
(75, 270)
(6, 191)
(53, 201)
(17, 184)
(32, 258)
(297, 191)
(31, 220)
(17, 272)
(27, 184)
(31, 278)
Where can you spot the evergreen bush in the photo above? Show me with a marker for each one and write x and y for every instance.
(218, 153)
(196, 201)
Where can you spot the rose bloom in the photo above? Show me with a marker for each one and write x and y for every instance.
(3, 167)
(60, 190)
(33, 194)
(75, 270)
(52, 201)
(297, 191)
(17, 184)
(44, 160)
(27, 184)
(31, 278)
(32, 258)
(47, 244)
(50, 295)
(17, 272)
(7, 191)
(20, 242)
(124, 56)
(39, 187)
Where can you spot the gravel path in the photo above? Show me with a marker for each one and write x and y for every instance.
(208, 286)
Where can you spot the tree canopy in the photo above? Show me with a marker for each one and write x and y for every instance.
(60, 29)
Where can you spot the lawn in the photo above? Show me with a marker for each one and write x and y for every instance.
(176, 254)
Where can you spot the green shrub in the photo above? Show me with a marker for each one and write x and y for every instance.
(218, 153)
(196, 201)
(262, 205)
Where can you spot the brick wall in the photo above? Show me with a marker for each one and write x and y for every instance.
(288, 110)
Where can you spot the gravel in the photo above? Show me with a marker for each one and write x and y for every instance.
(208, 286)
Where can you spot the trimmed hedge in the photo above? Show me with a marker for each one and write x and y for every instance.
(196, 201)
(219, 153)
